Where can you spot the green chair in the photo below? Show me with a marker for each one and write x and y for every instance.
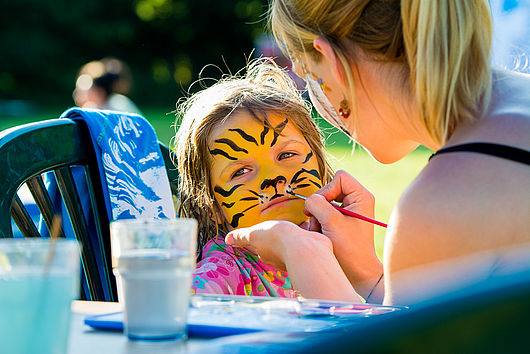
(60, 146)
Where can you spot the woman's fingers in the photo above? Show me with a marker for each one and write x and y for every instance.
(250, 236)
(352, 238)
(343, 186)
(267, 239)
(314, 225)
(238, 238)
(321, 209)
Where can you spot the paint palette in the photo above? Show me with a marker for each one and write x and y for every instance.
(222, 315)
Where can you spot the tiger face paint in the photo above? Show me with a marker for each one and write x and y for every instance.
(253, 165)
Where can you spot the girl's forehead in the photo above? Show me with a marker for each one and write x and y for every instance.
(245, 122)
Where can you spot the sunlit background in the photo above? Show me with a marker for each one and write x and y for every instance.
(167, 44)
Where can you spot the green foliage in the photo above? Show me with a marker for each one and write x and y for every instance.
(165, 42)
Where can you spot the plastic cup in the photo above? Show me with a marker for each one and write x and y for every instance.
(153, 261)
(39, 278)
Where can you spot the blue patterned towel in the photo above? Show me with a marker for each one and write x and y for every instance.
(132, 170)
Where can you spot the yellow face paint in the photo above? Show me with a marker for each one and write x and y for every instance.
(253, 166)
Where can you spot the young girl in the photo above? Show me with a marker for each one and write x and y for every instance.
(242, 146)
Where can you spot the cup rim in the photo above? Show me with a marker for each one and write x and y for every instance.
(153, 221)
(6, 243)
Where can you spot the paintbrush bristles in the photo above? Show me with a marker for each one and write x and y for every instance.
(296, 195)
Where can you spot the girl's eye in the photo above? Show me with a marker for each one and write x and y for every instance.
(285, 155)
(240, 172)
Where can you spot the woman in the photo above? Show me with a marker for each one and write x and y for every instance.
(394, 75)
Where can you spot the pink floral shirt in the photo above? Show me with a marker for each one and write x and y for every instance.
(234, 271)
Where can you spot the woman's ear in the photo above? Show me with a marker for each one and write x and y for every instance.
(331, 60)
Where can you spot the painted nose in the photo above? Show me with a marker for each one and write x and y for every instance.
(273, 182)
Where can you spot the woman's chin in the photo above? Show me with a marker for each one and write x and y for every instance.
(385, 160)
(390, 156)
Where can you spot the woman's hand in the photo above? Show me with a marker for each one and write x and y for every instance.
(353, 239)
(276, 241)
(307, 256)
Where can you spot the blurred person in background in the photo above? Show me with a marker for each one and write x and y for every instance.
(104, 84)
(266, 47)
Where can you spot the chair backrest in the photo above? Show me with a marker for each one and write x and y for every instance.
(61, 150)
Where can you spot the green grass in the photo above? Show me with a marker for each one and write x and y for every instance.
(386, 182)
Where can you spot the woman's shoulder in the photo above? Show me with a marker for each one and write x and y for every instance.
(459, 204)
(510, 100)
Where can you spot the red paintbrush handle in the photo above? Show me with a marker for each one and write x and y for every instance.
(359, 216)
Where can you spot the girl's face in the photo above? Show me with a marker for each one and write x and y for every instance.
(253, 168)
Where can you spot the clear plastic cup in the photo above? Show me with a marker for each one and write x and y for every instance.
(153, 261)
(39, 278)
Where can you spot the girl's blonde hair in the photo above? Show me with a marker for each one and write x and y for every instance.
(444, 46)
(263, 89)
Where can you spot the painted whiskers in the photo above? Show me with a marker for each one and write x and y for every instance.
(300, 180)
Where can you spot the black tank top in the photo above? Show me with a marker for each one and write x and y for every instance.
(498, 150)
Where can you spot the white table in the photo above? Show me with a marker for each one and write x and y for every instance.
(86, 340)
(83, 339)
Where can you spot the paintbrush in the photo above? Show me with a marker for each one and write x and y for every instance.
(346, 212)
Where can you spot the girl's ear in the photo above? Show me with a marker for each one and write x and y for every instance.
(330, 60)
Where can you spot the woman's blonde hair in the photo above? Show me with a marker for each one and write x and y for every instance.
(263, 89)
(444, 46)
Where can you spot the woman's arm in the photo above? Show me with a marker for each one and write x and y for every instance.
(353, 239)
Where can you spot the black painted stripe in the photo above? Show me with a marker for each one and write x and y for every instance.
(256, 194)
(316, 184)
(311, 172)
(235, 219)
(295, 176)
(277, 195)
(278, 130)
(303, 185)
(247, 199)
(222, 153)
(250, 207)
(244, 135)
(231, 144)
(308, 157)
(263, 134)
(226, 193)
(299, 180)
(228, 205)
